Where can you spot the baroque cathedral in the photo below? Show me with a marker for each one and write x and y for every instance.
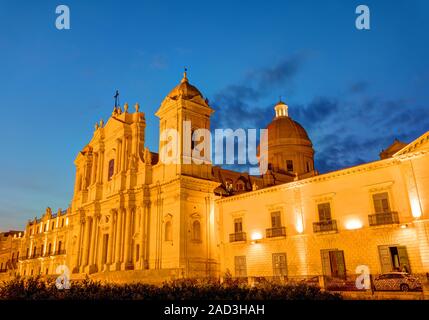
(135, 218)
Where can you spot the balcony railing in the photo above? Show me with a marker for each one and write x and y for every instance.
(3, 270)
(324, 226)
(276, 232)
(383, 218)
(237, 236)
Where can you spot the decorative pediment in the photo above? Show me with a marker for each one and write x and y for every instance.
(324, 197)
(168, 217)
(376, 187)
(238, 214)
(195, 216)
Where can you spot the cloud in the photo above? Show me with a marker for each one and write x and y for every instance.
(356, 133)
(346, 130)
(239, 105)
(319, 109)
(267, 78)
(359, 87)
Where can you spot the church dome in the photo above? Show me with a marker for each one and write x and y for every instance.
(290, 149)
(284, 127)
(184, 90)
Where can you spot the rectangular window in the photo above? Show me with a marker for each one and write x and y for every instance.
(324, 211)
(279, 264)
(381, 202)
(240, 266)
(394, 258)
(238, 225)
(276, 221)
(333, 263)
(111, 169)
(289, 165)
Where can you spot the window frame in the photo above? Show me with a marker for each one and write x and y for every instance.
(319, 205)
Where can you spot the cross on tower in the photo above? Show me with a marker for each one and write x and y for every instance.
(116, 96)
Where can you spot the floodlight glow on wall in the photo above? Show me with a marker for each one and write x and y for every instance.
(255, 237)
(299, 226)
(415, 208)
(353, 224)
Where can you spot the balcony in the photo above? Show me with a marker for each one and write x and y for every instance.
(238, 236)
(383, 218)
(276, 232)
(325, 226)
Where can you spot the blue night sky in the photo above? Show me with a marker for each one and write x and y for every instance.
(354, 91)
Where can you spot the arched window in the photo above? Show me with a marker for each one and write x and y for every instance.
(59, 247)
(196, 230)
(168, 231)
(111, 169)
(49, 248)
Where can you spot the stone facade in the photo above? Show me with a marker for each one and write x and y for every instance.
(134, 217)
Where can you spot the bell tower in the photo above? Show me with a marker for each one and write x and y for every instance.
(184, 147)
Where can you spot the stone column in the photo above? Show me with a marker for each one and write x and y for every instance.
(86, 241)
(124, 157)
(118, 155)
(100, 167)
(94, 168)
(118, 236)
(127, 238)
(93, 241)
(110, 248)
(145, 235)
(76, 261)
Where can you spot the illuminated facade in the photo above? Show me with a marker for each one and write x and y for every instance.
(135, 218)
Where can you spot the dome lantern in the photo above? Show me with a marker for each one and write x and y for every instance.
(281, 109)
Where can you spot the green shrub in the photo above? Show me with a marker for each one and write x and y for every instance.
(188, 289)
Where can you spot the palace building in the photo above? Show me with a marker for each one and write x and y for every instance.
(135, 218)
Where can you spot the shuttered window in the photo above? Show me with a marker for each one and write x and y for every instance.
(333, 263)
(324, 211)
(279, 264)
(240, 266)
(276, 221)
(238, 225)
(381, 202)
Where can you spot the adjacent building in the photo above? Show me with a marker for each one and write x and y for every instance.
(134, 217)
